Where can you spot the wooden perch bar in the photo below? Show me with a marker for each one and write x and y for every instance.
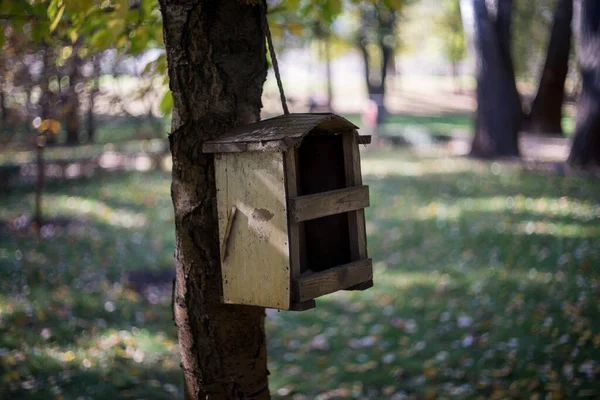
(320, 283)
(364, 139)
(319, 205)
(227, 233)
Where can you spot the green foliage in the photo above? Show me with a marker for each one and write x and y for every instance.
(450, 30)
(531, 25)
(102, 25)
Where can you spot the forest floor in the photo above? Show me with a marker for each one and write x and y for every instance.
(487, 285)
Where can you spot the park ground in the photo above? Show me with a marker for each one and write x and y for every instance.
(486, 286)
(486, 275)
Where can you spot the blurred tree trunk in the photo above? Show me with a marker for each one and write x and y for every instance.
(71, 98)
(545, 115)
(217, 66)
(45, 113)
(94, 89)
(585, 150)
(383, 20)
(3, 107)
(499, 114)
(456, 78)
(327, 50)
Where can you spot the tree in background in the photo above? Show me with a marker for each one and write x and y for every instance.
(71, 35)
(376, 39)
(545, 114)
(585, 150)
(499, 114)
(451, 32)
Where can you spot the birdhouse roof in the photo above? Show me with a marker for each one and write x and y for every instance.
(277, 134)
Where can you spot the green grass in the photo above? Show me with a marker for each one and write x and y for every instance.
(487, 285)
(109, 129)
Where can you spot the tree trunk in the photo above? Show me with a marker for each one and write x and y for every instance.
(47, 61)
(499, 114)
(375, 92)
(545, 115)
(71, 99)
(585, 150)
(3, 108)
(39, 187)
(71, 114)
(94, 84)
(327, 49)
(383, 20)
(456, 79)
(217, 66)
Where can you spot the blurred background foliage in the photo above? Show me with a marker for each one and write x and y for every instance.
(487, 279)
(80, 61)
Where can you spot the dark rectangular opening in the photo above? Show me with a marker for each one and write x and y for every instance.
(324, 242)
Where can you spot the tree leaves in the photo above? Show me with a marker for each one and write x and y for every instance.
(166, 104)
(55, 17)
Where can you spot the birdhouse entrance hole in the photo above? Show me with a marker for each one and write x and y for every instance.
(325, 241)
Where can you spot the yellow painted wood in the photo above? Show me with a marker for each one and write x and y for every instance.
(256, 270)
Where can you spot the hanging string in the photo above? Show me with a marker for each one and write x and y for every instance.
(274, 61)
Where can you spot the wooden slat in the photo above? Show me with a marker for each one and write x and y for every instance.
(294, 232)
(356, 219)
(319, 205)
(307, 305)
(364, 139)
(235, 147)
(358, 237)
(318, 284)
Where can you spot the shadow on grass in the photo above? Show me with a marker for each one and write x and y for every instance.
(486, 284)
(45, 377)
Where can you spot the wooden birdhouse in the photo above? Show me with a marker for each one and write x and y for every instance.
(291, 210)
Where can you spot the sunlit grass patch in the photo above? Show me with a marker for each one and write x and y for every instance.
(487, 283)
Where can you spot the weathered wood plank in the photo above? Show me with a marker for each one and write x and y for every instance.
(294, 231)
(240, 147)
(257, 267)
(364, 139)
(311, 286)
(307, 305)
(280, 129)
(356, 219)
(319, 205)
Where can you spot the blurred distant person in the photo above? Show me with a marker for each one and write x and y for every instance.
(370, 117)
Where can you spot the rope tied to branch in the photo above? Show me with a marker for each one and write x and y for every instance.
(274, 61)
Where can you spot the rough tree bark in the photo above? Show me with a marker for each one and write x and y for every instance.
(499, 114)
(585, 150)
(217, 66)
(545, 113)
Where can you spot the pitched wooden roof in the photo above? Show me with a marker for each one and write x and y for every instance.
(277, 134)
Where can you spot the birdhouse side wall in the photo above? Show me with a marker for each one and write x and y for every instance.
(256, 266)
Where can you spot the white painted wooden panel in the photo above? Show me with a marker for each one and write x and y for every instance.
(256, 267)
